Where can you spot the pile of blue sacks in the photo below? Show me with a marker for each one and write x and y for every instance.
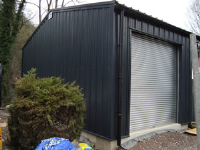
(55, 144)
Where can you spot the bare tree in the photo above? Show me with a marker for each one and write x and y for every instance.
(49, 3)
(62, 3)
(44, 7)
(56, 3)
(194, 17)
(40, 13)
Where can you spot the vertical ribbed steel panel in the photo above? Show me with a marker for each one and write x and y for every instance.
(162, 32)
(80, 43)
(153, 97)
(77, 45)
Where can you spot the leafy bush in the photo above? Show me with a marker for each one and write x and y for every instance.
(44, 108)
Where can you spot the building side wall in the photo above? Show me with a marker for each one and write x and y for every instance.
(181, 40)
(77, 45)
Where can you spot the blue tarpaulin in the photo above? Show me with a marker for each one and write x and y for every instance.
(55, 144)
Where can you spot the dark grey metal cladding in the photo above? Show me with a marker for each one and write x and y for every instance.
(77, 44)
(165, 32)
(80, 43)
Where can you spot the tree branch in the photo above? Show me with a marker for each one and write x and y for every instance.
(56, 3)
(194, 17)
(31, 3)
(62, 3)
(67, 2)
(40, 16)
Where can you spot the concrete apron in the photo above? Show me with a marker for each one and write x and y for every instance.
(103, 144)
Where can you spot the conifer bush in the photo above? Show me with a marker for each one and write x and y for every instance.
(44, 108)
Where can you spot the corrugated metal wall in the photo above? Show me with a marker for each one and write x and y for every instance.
(149, 27)
(80, 43)
(77, 44)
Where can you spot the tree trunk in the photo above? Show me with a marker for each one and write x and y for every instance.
(63, 3)
(49, 5)
(56, 3)
(18, 18)
(11, 15)
(40, 13)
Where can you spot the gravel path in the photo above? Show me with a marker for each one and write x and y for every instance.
(164, 141)
(168, 141)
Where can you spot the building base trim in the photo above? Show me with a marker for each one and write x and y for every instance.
(134, 137)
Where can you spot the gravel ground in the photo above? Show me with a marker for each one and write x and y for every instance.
(164, 141)
(168, 141)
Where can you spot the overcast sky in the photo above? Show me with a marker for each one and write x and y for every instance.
(174, 12)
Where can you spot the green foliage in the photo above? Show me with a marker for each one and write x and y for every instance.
(6, 17)
(11, 12)
(14, 71)
(44, 108)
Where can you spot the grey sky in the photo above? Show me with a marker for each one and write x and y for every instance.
(174, 12)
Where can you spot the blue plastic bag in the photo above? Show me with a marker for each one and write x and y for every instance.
(55, 144)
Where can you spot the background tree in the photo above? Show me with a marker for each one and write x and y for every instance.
(11, 13)
(16, 58)
(194, 17)
(12, 21)
(44, 6)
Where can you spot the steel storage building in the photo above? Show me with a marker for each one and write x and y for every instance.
(134, 69)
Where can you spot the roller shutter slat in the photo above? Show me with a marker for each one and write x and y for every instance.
(153, 98)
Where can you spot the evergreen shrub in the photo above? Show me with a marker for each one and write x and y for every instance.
(44, 108)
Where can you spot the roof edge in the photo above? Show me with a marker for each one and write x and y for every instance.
(84, 6)
(151, 18)
(117, 6)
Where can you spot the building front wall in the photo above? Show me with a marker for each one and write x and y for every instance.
(80, 44)
(138, 24)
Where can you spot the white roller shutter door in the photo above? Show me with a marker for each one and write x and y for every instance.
(153, 98)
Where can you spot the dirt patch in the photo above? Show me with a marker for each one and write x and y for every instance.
(168, 141)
